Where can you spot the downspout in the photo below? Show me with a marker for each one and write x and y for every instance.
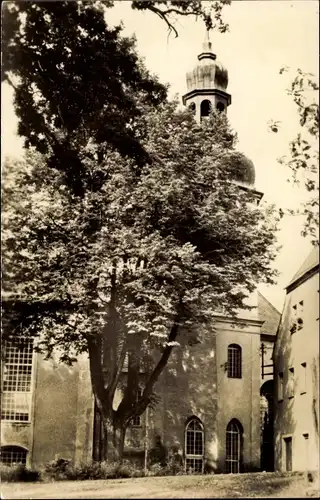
(146, 441)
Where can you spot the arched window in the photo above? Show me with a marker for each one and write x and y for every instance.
(194, 445)
(205, 108)
(234, 445)
(220, 106)
(11, 455)
(234, 361)
(192, 107)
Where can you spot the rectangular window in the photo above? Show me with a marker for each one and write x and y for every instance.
(300, 315)
(280, 386)
(288, 453)
(303, 378)
(291, 383)
(234, 361)
(17, 373)
(297, 317)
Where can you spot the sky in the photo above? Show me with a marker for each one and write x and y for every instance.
(263, 37)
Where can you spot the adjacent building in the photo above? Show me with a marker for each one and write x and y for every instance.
(296, 365)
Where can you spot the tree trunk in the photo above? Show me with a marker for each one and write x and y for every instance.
(114, 435)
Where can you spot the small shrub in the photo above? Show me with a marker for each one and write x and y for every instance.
(128, 469)
(61, 469)
(57, 468)
(18, 473)
(158, 454)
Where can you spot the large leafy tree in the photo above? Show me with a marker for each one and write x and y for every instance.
(303, 157)
(132, 267)
(76, 80)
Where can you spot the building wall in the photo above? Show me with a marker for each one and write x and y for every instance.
(240, 398)
(61, 417)
(298, 416)
(194, 383)
(188, 389)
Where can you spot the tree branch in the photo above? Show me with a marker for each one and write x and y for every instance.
(165, 356)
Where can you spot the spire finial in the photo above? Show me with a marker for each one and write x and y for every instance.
(207, 46)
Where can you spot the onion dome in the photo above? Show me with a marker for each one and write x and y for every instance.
(209, 72)
(244, 170)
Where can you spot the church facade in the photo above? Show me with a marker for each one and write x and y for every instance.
(210, 392)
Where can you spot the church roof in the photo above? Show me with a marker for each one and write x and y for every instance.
(269, 315)
(310, 264)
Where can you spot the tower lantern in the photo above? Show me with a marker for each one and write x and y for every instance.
(207, 84)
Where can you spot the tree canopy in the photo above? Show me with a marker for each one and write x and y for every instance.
(139, 263)
(76, 80)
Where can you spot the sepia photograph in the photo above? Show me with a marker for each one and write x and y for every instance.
(160, 249)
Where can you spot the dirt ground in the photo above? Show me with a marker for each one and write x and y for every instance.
(267, 485)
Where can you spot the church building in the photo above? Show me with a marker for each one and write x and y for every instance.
(210, 392)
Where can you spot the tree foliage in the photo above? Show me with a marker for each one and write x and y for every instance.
(303, 158)
(76, 80)
(133, 267)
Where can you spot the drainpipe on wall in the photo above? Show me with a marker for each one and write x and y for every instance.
(146, 439)
(251, 415)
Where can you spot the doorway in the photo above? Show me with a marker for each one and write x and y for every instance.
(288, 452)
(266, 426)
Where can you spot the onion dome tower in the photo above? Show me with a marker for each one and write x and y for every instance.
(244, 170)
(244, 174)
(207, 84)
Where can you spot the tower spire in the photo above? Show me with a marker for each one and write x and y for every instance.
(207, 45)
(207, 48)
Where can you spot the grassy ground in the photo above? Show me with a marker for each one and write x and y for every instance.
(268, 485)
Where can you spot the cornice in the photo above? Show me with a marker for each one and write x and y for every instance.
(195, 92)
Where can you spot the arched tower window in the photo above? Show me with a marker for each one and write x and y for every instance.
(12, 455)
(220, 106)
(234, 361)
(234, 446)
(192, 107)
(205, 108)
(194, 445)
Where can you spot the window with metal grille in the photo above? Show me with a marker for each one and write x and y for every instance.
(11, 455)
(17, 374)
(194, 446)
(233, 447)
(234, 361)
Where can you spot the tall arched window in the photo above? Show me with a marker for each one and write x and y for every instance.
(234, 361)
(11, 455)
(194, 445)
(205, 108)
(234, 445)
